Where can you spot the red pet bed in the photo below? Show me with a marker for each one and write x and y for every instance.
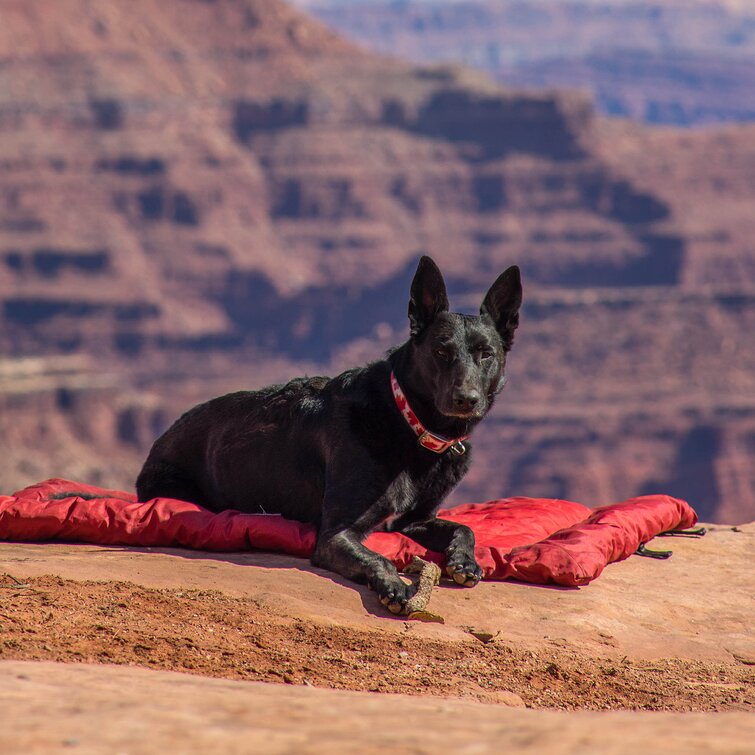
(532, 539)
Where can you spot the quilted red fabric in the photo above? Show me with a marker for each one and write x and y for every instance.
(535, 540)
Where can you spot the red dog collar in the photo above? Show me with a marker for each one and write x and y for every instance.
(436, 443)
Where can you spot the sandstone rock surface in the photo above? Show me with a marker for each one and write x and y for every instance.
(646, 636)
(86, 709)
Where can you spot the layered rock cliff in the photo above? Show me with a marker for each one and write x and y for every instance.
(201, 196)
(682, 62)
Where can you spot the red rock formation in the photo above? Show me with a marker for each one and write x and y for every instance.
(189, 188)
(671, 61)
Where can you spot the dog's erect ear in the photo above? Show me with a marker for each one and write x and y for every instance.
(502, 302)
(428, 296)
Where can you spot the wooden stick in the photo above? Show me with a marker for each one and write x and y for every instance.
(429, 577)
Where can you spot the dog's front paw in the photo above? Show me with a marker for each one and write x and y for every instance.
(394, 594)
(463, 570)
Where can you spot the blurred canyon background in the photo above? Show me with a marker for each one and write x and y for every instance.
(199, 196)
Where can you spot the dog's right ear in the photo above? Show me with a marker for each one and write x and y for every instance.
(428, 296)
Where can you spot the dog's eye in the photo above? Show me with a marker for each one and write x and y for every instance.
(442, 354)
(486, 354)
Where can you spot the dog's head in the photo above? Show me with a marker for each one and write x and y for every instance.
(460, 359)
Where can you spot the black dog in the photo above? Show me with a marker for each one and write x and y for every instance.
(351, 454)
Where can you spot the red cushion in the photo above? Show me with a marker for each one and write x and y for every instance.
(578, 554)
(536, 540)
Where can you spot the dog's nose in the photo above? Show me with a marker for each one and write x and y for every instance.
(467, 401)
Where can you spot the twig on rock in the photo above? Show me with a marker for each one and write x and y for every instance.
(429, 577)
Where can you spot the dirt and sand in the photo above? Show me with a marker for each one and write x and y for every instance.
(671, 637)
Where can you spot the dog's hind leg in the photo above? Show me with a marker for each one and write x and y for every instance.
(162, 480)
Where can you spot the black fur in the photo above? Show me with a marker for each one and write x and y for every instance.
(338, 453)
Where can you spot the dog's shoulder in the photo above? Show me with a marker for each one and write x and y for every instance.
(359, 381)
(361, 390)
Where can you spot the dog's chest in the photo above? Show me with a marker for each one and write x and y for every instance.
(410, 488)
(401, 495)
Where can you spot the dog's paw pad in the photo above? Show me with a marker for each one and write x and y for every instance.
(466, 576)
(395, 599)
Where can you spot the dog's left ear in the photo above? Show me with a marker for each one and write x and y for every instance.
(428, 296)
(502, 302)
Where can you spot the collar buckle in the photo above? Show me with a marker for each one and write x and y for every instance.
(459, 448)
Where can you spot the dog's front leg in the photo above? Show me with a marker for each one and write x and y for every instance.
(354, 504)
(455, 540)
(344, 553)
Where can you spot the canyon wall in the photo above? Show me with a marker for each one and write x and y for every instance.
(681, 62)
(198, 196)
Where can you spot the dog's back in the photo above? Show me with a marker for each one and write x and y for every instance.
(255, 451)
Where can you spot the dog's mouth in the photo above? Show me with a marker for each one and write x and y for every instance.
(464, 415)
